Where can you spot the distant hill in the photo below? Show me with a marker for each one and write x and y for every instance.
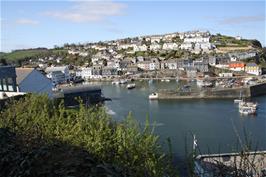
(22, 54)
(27, 54)
(223, 44)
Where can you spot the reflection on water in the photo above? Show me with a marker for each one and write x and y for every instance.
(216, 123)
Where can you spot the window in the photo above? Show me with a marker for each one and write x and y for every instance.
(6, 84)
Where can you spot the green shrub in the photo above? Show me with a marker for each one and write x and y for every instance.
(125, 144)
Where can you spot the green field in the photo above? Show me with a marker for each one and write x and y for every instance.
(28, 54)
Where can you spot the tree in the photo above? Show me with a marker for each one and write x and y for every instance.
(104, 62)
(3, 62)
(256, 43)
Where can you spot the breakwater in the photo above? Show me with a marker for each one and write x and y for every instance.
(212, 93)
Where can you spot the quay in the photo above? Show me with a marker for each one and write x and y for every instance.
(231, 164)
(214, 93)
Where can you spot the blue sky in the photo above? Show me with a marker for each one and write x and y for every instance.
(28, 24)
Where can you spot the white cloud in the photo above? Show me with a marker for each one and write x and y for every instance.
(24, 21)
(89, 11)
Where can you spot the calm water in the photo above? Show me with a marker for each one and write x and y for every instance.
(217, 123)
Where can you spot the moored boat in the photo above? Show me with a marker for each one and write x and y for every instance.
(153, 96)
(237, 100)
(123, 81)
(247, 108)
(115, 82)
(248, 104)
(131, 86)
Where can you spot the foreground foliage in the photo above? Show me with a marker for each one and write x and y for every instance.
(56, 159)
(134, 149)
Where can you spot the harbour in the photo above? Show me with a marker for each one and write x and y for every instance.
(217, 123)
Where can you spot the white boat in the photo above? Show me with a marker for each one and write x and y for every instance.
(167, 80)
(204, 83)
(131, 86)
(247, 107)
(115, 82)
(123, 81)
(150, 81)
(248, 104)
(237, 100)
(247, 110)
(162, 80)
(153, 96)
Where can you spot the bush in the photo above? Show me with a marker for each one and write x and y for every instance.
(136, 150)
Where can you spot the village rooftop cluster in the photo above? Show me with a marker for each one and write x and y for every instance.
(139, 57)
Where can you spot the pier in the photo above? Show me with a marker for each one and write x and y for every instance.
(214, 93)
(244, 163)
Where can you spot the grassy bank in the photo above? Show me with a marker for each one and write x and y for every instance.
(134, 150)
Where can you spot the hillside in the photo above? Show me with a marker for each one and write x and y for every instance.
(165, 46)
(27, 54)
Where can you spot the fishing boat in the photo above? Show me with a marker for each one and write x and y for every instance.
(248, 104)
(131, 86)
(247, 110)
(153, 96)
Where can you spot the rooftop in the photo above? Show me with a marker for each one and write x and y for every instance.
(22, 73)
(7, 71)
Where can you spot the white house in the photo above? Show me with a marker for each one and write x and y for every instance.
(238, 37)
(154, 64)
(169, 37)
(126, 46)
(94, 60)
(197, 39)
(169, 64)
(155, 47)
(140, 48)
(212, 61)
(170, 46)
(186, 46)
(205, 45)
(58, 74)
(30, 80)
(144, 65)
(253, 68)
(85, 73)
(156, 39)
(225, 74)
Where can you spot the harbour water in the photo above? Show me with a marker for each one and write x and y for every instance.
(217, 124)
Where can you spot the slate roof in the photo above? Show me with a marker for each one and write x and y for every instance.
(251, 64)
(56, 68)
(22, 73)
(7, 71)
